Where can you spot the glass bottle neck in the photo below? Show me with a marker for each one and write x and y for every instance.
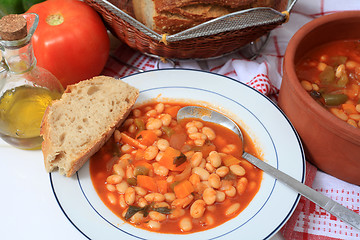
(18, 55)
(18, 59)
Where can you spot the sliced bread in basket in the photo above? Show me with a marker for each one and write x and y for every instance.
(76, 126)
(172, 16)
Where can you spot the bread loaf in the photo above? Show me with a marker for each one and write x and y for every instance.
(77, 125)
(172, 16)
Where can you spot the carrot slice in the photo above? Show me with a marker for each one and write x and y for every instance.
(173, 159)
(147, 182)
(132, 142)
(183, 189)
(206, 149)
(172, 110)
(162, 186)
(143, 163)
(139, 155)
(146, 137)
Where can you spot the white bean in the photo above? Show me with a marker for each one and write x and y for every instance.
(154, 197)
(185, 224)
(162, 144)
(130, 195)
(232, 209)
(195, 159)
(140, 191)
(112, 198)
(203, 174)
(114, 179)
(137, 218)
(222, 171)
(150, 153)
(214, 180)
(121, 187)
(197, 209)
(209, 133)
(237, 170)
(153, 225)
(209, 196)
(154, 215)
(169, 197)
(214, 158)
(176, 213)
(110, 187)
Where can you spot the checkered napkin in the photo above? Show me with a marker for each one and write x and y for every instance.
(264, 74)
(256, 74)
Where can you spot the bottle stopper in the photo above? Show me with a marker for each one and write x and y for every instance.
(13, 27)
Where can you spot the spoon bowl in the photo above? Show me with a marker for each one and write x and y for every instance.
(326, 203)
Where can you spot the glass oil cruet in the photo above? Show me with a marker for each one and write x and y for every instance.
(25, 89)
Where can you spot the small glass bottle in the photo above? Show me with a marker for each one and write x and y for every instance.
(25, 89)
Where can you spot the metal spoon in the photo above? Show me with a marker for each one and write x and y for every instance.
(326, 203)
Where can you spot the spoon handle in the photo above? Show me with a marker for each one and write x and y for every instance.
(321, 200)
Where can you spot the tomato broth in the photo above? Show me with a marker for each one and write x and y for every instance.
(331, 75)
(172, 177)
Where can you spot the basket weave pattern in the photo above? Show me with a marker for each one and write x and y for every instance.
(196, 47)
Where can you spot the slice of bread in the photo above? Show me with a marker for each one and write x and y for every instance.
(76, 126)
(144, 11)
(173, 16)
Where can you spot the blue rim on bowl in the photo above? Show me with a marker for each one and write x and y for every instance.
(260, 117)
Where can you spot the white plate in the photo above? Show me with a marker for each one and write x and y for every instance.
(261, 118)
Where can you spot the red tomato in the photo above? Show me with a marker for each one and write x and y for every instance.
(70, 41)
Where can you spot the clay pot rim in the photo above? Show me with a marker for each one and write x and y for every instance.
(334, 124)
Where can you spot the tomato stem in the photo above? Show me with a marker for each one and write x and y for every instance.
(55, 19)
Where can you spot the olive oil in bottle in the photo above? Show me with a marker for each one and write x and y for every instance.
(21, 112)
(26, 90)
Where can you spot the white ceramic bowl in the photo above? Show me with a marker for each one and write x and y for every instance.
(258, 115)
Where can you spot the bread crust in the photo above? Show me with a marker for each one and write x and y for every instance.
(68, 161)
(172, 16)
(169, 5)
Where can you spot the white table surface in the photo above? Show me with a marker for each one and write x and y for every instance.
(28, 207)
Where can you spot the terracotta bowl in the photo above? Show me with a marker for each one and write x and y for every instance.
(330, 143)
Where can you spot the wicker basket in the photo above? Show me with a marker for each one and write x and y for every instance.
(207, 40)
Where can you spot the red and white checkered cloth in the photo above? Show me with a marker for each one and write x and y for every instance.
(264, 74)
